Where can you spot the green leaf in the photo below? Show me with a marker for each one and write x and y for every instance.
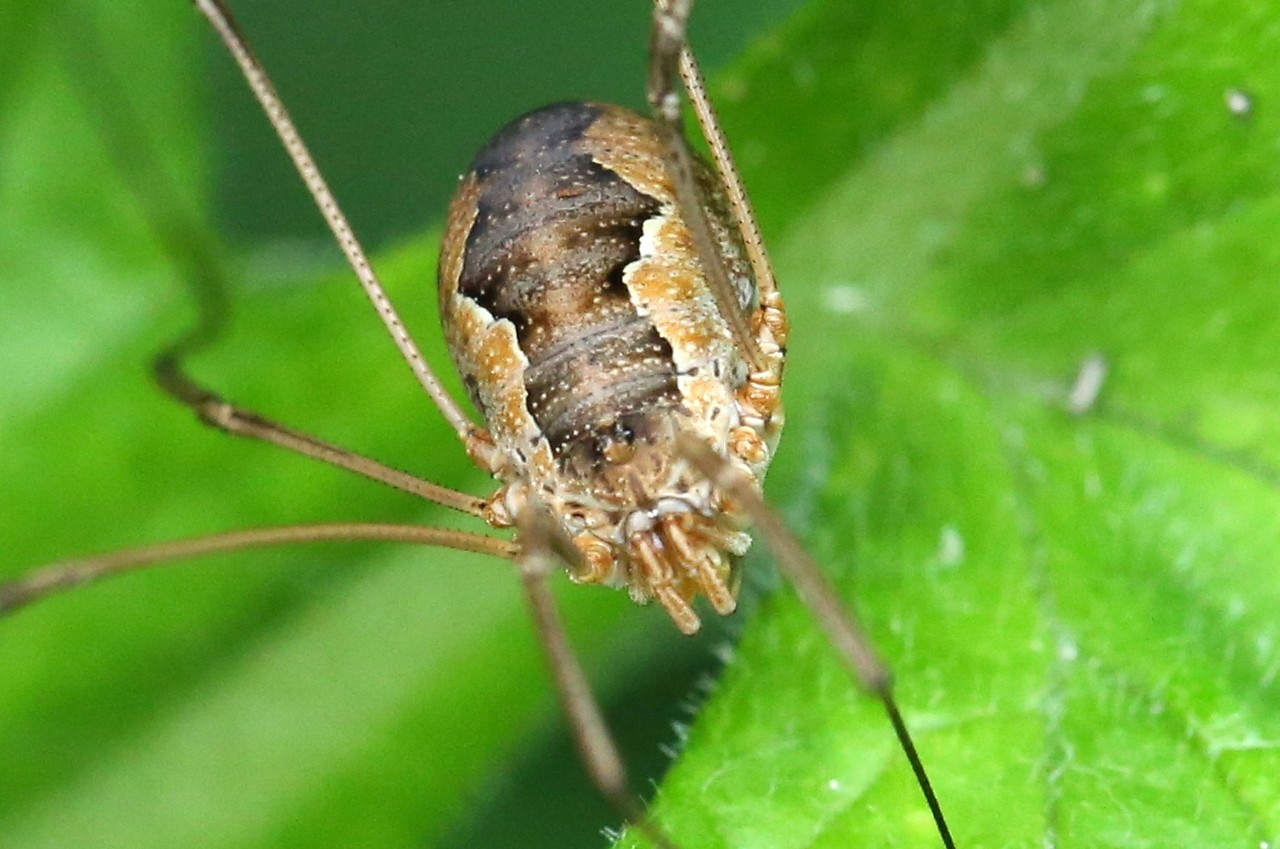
(964, 205)
(1079, 608)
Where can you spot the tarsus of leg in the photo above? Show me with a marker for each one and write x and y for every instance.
(818, 594)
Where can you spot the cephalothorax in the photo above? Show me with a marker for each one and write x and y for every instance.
(584, 330)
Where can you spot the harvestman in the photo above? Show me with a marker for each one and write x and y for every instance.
(609, 303)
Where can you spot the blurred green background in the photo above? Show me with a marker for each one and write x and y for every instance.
(396, 98)
(393, 98)
(964, 202)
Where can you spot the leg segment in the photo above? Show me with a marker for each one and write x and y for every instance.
(695, 84)
(60, 577)
(670, 18)
(842, 629)
(596, 746)
(256, 76)
(216, 412)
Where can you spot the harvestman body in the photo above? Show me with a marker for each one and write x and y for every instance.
(585, 332)
(610, 308)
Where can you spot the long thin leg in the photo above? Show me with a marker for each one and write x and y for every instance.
(220, 17)
(214, 411)
(176, 229)
(696, 85)
(821, 598)
(60, 577)
(670, 18)
(595, 744)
